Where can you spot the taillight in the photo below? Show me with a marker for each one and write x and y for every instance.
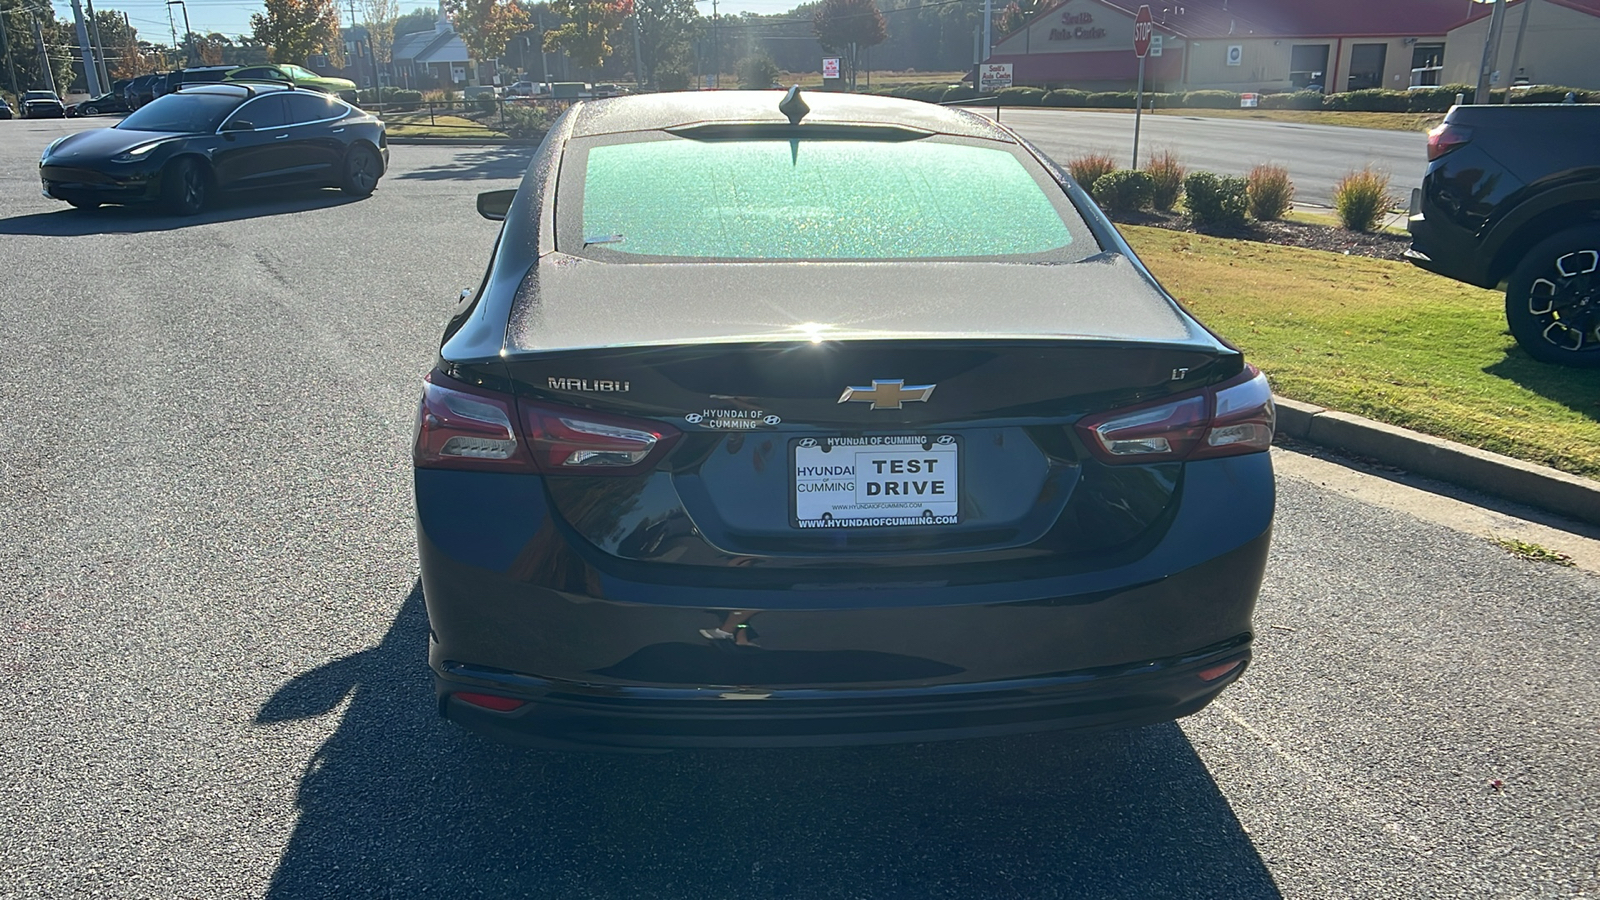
(1445, 138)
(464, 427)
(460, 426)
(577, 441)
(1228, 419)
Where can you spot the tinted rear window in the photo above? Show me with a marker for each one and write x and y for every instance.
(818, 199)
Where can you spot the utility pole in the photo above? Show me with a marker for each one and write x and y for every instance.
(173, 26)
(1516, 53)
(988, 24)
(11, 69)
(188, 33)
(716, 47)
(91, 75)
(638, 73)
(94, 37)
(1491, 51)
(44, 58)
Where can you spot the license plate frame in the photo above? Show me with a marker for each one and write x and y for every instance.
(851, 491)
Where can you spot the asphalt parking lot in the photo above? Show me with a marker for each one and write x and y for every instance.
(216, 641)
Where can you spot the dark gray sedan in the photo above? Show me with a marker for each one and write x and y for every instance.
(784, 420)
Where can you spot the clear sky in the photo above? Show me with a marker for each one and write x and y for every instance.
(232, 17)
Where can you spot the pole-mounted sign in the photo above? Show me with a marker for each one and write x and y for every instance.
(1143, 27)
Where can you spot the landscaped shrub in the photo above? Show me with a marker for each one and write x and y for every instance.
(1020, 96)
(957, 92)
(1553, 94)
(1370, 100)
(1270, 192)
(927, 93)
(1437, 99)
(396, 97)
(1210, 100)
(1066, 97)
(1296, 100)
(1112, 100)
(673, 80)
(523, 121)
(1216, 200)
(486, 103)
(1124, 190)
(1166, 179)
(1088, 168)
(757, 72)
(1361, 199)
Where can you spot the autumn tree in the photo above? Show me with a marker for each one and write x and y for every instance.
(846, 27)
(585, 35)
(295, 29)
(485, 25)
(380, 18)
(1017, 14)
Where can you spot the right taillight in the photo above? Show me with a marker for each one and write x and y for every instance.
(462, 426)
(1445, 138)
(1228, 419)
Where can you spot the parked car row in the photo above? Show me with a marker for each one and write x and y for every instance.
(146, 88)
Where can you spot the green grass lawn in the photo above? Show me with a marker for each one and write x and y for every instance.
(1384, 340)
(440, 125)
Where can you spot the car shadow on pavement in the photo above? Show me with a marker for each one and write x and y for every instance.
(399, 803)
(476, 165)
(1576, 389)
(69, 222)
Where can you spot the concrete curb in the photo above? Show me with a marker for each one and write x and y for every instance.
(468, 142)
(1469, 467)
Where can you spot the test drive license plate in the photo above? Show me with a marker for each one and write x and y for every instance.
(876, 481)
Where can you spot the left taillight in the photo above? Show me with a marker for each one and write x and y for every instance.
(461, 426)
(1228, 419)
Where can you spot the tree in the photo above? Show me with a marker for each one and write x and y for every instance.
(485, 25)
(381, 16)
(418, 20)
(295, 29)
(586, 34)
(846, 27)
(666, 28)
(1017, 14)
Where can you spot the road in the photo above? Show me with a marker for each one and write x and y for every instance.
(1317, 156)
(215, 638)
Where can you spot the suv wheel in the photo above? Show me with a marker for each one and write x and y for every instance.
(1553, 299)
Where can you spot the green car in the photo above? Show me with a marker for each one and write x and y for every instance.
(344, 88)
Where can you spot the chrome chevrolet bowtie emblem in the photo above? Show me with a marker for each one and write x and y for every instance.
(887, 394)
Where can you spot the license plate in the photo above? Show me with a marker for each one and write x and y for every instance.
(877, 481)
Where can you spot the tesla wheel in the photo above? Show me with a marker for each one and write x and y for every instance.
(183, 187)
(1553, 299)
(362, 169)
(89, 111)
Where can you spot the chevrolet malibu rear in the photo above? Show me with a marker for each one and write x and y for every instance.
(784, 420)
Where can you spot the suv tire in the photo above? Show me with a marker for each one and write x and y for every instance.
(1553, 299)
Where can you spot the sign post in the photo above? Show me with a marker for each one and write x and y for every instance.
(1142, 29)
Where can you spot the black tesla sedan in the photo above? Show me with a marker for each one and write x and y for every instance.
(824, 420)
(182, 147)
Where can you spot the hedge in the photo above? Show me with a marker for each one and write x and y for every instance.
(1208, 100)
(1066, 98)
(1020, 96)
(1216, 200)
(1124, 190)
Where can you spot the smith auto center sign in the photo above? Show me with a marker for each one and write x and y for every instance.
(1077, 26)
(994, 76)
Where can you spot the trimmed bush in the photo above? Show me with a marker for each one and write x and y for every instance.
(957, 92)
(486, 104)
(1296, 100)
(390, 97)
(1124, 190)
(1210, 100)
(1553, 94)
(1112, 100)
(1361, 199)
(1270, 192)
(757, 72)
(1166, 179)
(1068, 97)
(1219, 201)
(1088, 168)
(1020, 96)
(927, 93)
(1370, 100)
(523, 121)
(1437, 99)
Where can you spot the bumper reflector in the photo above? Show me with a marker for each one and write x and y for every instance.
(1211, 674)
(491, 701)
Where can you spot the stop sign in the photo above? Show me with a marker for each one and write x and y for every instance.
(1142, 30)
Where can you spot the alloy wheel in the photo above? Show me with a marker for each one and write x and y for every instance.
(1567, 301)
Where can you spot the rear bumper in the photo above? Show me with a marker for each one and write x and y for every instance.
(573, 716)
(1448, 251)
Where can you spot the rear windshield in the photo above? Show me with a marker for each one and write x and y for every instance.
(816, 199)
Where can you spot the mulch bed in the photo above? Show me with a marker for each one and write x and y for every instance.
(1378, 245)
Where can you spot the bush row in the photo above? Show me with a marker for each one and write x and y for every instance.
(1215, 201)
(1437, 99)
(394, 96)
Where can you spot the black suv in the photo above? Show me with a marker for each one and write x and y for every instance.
(1512, 199)
(170, 82)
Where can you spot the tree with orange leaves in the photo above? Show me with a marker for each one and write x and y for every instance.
(486, 25)
(586, 33)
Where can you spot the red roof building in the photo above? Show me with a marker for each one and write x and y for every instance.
(1241, 45)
